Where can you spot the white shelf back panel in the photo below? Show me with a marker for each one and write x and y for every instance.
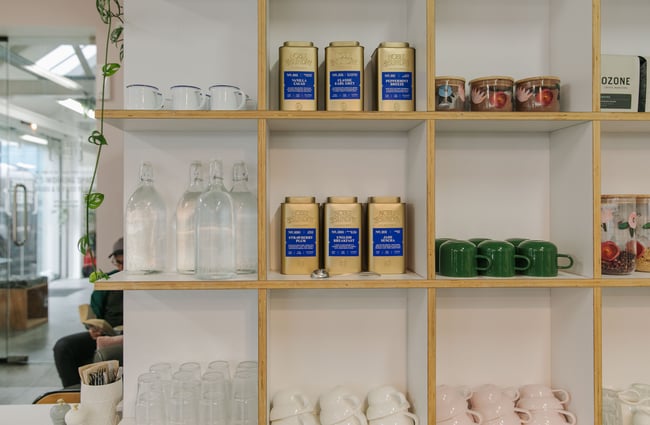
(171, 154)
(526, 39)
(369, 22)
(183, 326)
(319, 339)
(626, 348)
(191, 42)
(624, 158)
(358, 164)
(493, 185)
(624, 27)
(493, 336)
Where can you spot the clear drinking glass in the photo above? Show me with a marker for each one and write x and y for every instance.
(245, 208)
(215, 244)
(186, 220)
(184, 400)
(244, 398)
(150, 400)
(193, 367)
(213, 404)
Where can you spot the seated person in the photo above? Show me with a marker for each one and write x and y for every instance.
(73, 351)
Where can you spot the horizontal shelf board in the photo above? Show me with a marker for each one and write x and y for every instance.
(563, 280)
(633, 279)
(137, 120)
(626, 122)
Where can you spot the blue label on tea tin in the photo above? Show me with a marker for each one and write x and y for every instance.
(300, 242)
(299, 85)
(387, 242)
(396, 86)
(343, 242)
(345, 85)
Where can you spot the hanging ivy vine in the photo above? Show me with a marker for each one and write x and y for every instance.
(111, 13)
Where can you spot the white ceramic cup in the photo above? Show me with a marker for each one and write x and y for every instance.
(552, 417)
(225, 97)
(491, 394)
(539, 390)
(540, 403)
(289, 402)
(307, 418)
(385, 394)
(461, 419)
(400, 418)
(356, 419)
(508, 419)
(380, 410)
(186, 97)
(493, 411)
(143, 96)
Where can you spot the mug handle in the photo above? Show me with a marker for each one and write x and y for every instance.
(161, 101)
(416, 421)
(477, 415)
(204, 99)
(361, 418)
(571, 418)
(562, 395)
(483, 257)
(526, 261)
(567, 256)
(243, 99)
(523, 412)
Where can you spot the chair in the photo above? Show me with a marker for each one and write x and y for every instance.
(72, 395)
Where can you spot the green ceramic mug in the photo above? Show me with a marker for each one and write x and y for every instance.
(460, 259)
(439, 241)
(505, 262)
(516, 241)
(477, 241)
(543, 257)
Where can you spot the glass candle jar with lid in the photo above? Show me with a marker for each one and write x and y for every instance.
(618, 224)
(643, 233)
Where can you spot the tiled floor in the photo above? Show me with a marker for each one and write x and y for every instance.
(22, 383)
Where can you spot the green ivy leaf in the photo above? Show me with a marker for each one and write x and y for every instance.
(623, 225)
(110, 69)
(116, 34)
(97, 275)
(97, 138)
(94, 200)
(103, 10)
(646, 226)
(83, 244)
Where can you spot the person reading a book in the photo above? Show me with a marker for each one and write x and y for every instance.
(103, 322)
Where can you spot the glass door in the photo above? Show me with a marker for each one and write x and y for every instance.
(47, 90)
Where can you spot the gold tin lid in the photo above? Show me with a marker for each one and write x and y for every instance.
(341, 199)
(344, 44)
(384, 199)
(493, 78)
(449, 78)
(298, 44)
(401, 44)
(300, 199)
(545, 79)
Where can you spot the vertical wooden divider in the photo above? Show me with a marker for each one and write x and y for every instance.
(431, 355)
(431, 56)
(598, 356)
(262, 55)
(262, 223)
(595, 55)
(262, 327)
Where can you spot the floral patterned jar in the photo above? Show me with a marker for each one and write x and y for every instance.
(491, 94)
(537, 94)
(643, 233)
(450, 93)
(618, 234)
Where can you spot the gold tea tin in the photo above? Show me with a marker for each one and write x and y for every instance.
(300, 235)
(344, 76)
(298, 76)
(342, 235)
(386, 235)
(393, 64)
